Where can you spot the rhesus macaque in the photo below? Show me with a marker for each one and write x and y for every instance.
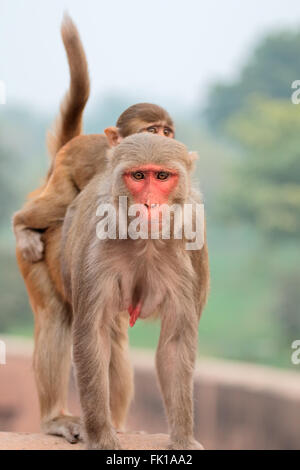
(75, 160)
(106, 277)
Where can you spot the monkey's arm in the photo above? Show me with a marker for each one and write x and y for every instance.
(178, 345)
(41, 213)
(201, 266)
(175, 361)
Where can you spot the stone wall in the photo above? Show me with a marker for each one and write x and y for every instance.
(237, 405)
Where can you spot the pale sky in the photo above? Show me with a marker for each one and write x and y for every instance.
(165, 51)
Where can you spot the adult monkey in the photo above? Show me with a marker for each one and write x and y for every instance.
(105, 277)
(75, 159)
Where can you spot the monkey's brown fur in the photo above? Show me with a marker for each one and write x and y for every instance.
(71, 168)
(69, 121)
(74, 164)
(102, 278)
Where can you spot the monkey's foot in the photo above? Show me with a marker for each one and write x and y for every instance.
(107, 441)
(189, 444)
(134, 314)
(30, 244)
(69, 427)
(125, 431)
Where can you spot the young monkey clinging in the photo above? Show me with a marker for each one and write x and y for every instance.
(76, 158)
(75, 164)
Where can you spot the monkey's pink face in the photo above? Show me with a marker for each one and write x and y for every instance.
(151, 185)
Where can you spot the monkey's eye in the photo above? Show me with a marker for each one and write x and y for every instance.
(162, 175)
(152, 129)
(138, 175)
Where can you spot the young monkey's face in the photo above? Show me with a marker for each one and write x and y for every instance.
(159, 127)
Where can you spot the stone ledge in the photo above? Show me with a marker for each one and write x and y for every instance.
(27, 441)
(236, 404)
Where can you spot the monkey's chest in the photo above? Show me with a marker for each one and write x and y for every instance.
(151, 278)
(146, 288)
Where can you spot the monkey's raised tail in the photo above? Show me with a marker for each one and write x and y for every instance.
(69, 121)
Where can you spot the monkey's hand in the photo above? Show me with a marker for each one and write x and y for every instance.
(30, 244)
(185, 444)
(69, 427)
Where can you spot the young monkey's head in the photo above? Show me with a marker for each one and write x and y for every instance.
(142, 117)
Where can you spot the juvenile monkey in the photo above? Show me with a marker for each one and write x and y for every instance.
(105, 277)
(74, 166)
(76, 158)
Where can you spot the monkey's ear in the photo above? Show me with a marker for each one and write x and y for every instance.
(193, 157)
(112, 135)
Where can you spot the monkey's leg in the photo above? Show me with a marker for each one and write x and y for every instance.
(92, 347)
(175, 360)
(52, 352)
(52, 359)
(120, 372)
(40, 213)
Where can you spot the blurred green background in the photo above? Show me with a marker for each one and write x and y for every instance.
(248, 138)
